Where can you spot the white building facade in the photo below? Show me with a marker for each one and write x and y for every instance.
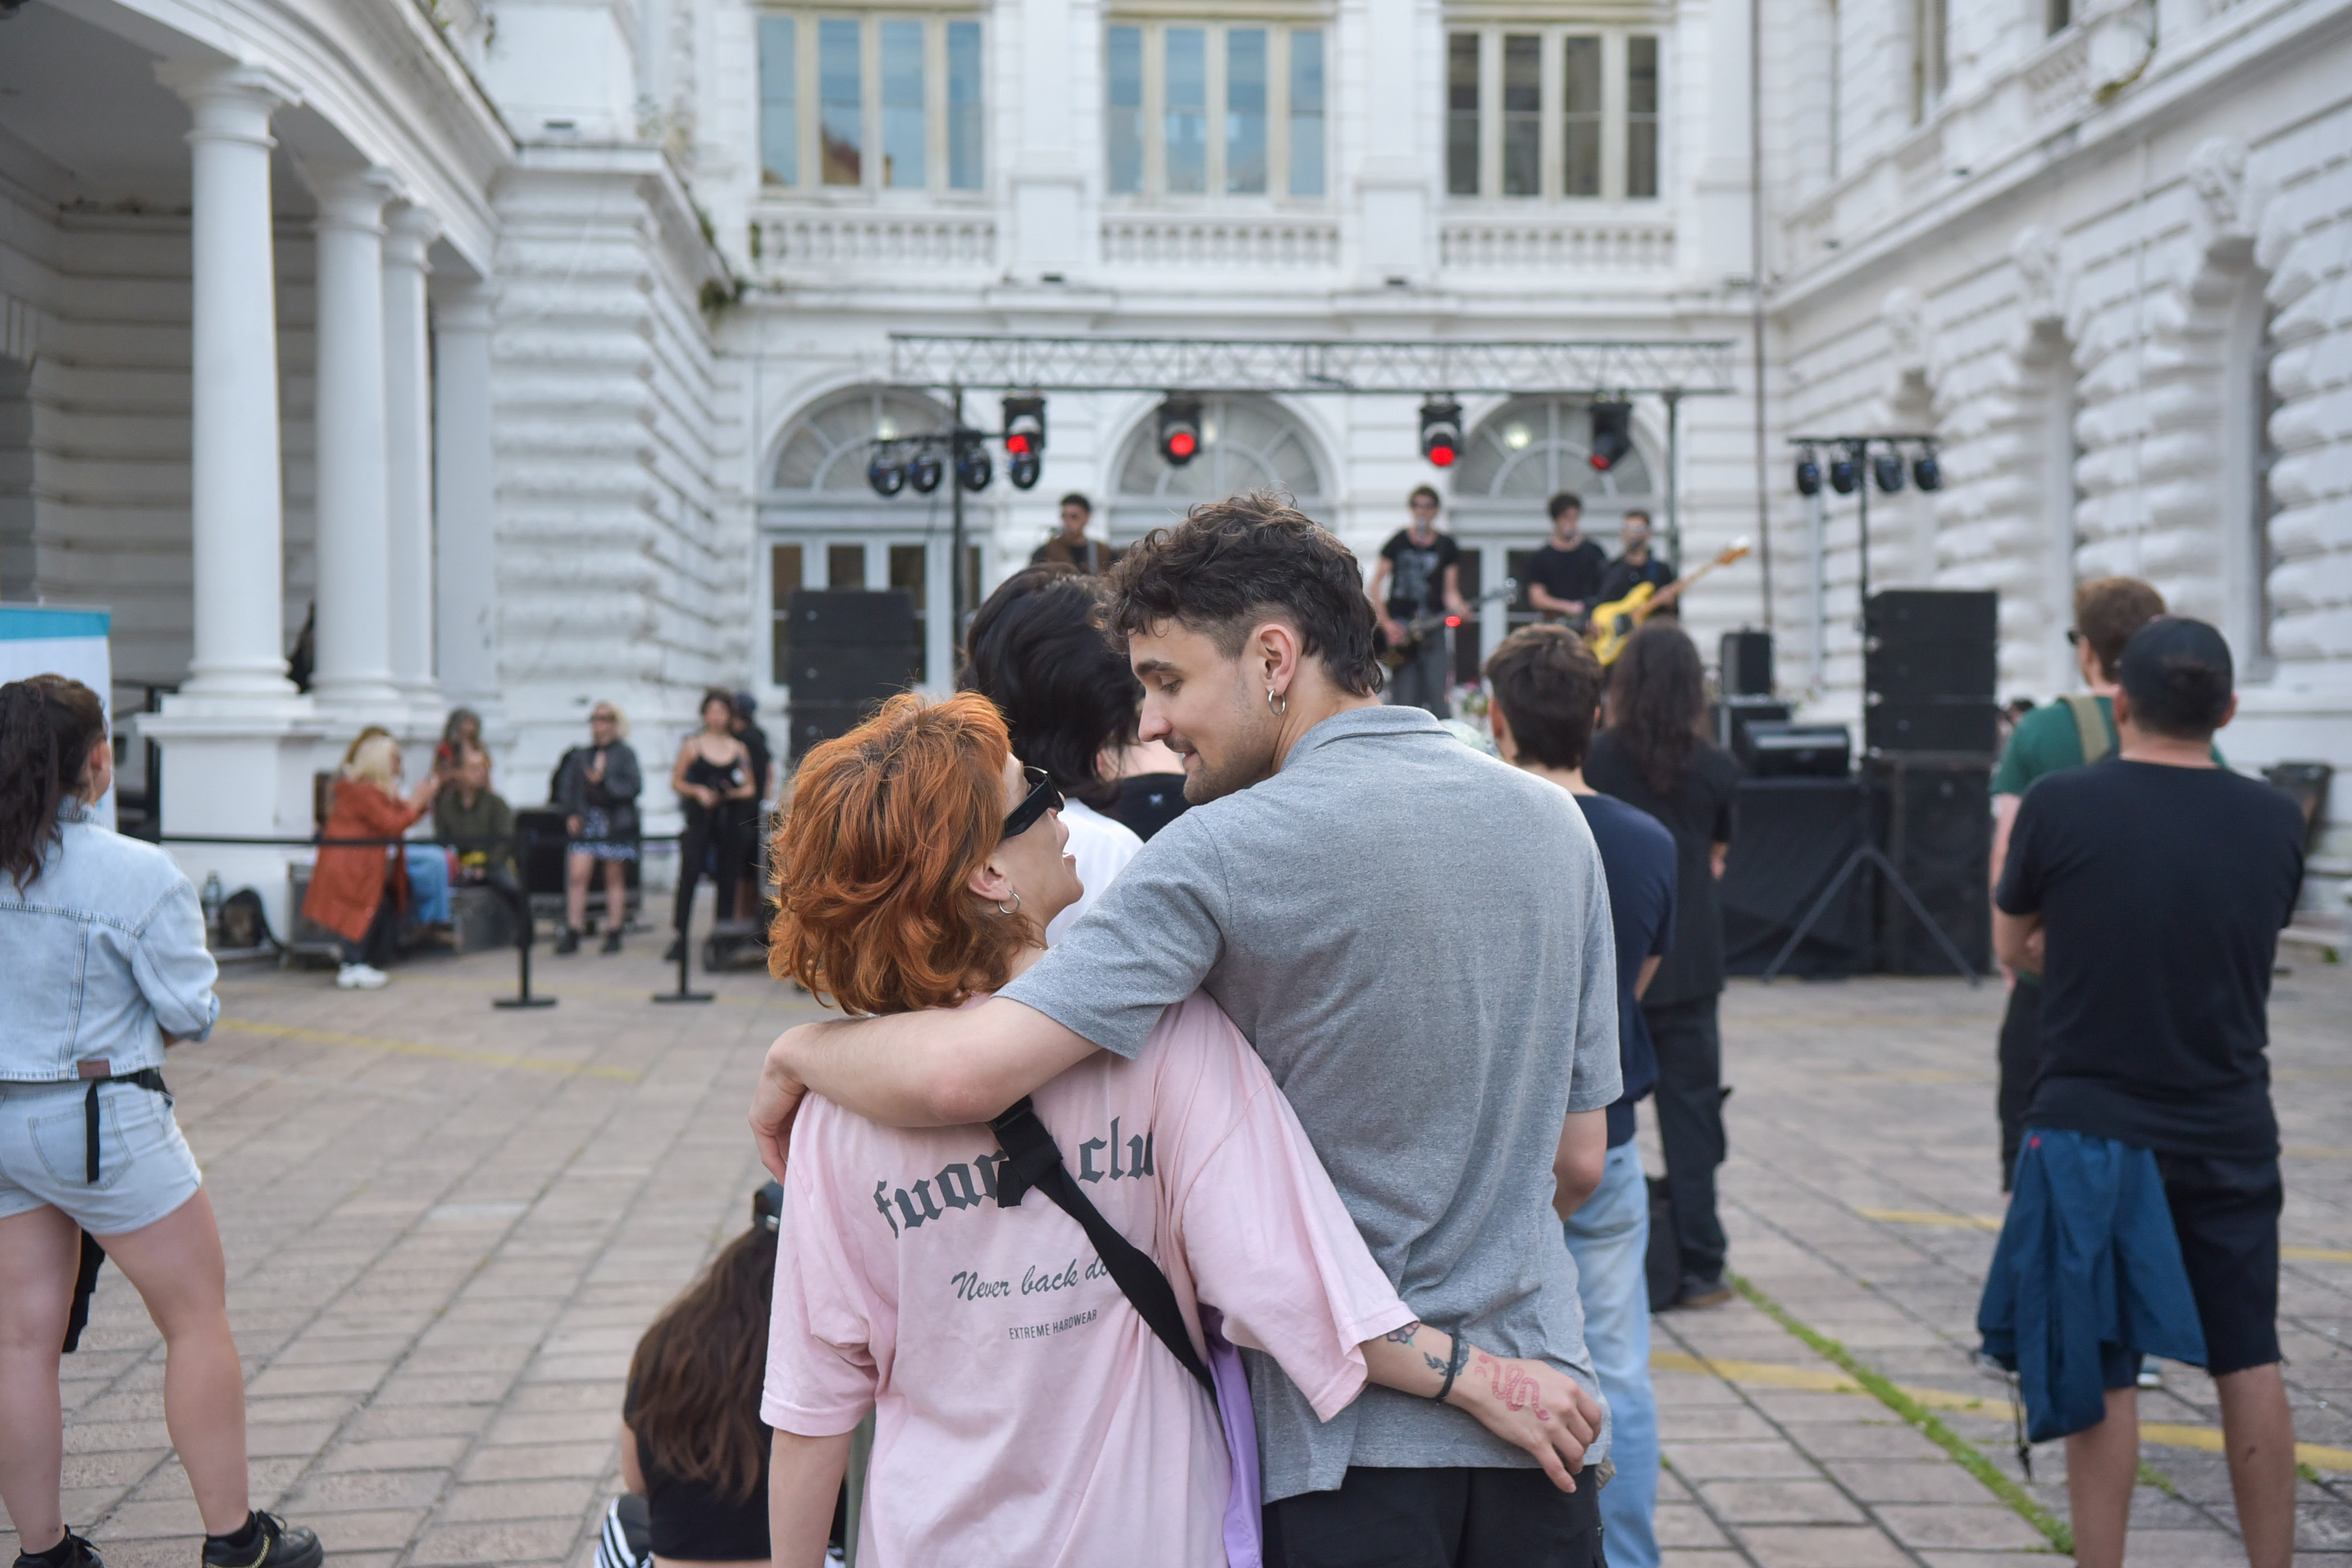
(638, 266)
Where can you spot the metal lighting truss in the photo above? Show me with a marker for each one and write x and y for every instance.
(1301, 365)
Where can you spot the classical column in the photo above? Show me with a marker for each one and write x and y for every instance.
(465, 560)
(237, 511)
(354, 670)
(408, 451)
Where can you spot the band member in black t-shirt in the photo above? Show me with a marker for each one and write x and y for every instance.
(1636, 565)
(1419, 577)
(1564, 576)
(2149, 889)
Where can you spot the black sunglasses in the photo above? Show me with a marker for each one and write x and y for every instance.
(1042, 798)
(2073, 636)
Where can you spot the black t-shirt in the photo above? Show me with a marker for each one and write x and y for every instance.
(1622, 576)
(1698, 814)
(1637, 854)
(1571, 573)
(1417, 572)
(2162, 892)
(1149, 801)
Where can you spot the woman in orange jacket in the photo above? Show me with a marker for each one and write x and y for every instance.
(358, 890)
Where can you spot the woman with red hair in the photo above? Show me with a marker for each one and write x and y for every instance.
(1024, 1411)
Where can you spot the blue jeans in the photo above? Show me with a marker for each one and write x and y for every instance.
(1609, 1238)
(428, 883)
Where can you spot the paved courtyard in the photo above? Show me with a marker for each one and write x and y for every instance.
(446, 1225)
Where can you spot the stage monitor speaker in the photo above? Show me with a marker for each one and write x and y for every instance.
(1728, 718)
(1907, 670)
(1785, 750)
(1935, 819)
(1956, 727)
(1743, 663)
(848, 650)
(1792, 837)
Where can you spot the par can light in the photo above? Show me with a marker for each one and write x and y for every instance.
(1888, 467)
(973, 469)
(1926, 472)
(1845, 473)
(924, 473)
(887, 477)
(1809, 474)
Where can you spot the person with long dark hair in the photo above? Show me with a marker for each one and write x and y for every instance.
(1037, 650)
(694, 1451)
(102, 966)
(1655, 755)
(714, 780)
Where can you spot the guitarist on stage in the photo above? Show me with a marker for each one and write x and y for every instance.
(1416, 584)
(1564, 576)
(1636, 565)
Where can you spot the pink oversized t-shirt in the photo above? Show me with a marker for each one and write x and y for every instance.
(1025, 1412)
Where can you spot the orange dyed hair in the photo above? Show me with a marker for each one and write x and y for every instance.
(885, 827)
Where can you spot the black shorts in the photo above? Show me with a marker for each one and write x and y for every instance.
(2226, 1213)
(1466, 1518)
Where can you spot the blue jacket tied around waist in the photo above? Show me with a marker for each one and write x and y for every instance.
(2087, 1278)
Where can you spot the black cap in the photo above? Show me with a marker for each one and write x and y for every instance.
(2178, 675)
(768, 1205)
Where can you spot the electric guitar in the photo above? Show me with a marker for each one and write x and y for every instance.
(1397, 655)
(1613, 624)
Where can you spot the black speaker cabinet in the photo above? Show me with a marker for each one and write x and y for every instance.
(1903, 670)
(1744, 661)
(1932, 615)
(1967, 726)
(849, 649)
(1936, 825)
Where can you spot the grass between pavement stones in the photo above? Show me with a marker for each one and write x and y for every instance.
(1966, 1454)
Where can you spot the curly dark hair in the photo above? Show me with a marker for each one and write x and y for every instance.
(1036, 649)
(1231, 562)
(1657, 702)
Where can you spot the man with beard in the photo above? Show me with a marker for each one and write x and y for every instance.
(1415, 936)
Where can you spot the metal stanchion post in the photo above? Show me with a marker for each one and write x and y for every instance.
(523, 996)
(685, 992)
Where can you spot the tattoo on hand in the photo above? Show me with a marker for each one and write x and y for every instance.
(1513, 1385)
(1404, 1336)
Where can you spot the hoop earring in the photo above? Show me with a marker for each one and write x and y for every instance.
(1277, 701)
(1016, 904)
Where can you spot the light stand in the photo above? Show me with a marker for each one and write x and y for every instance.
(1857, 451)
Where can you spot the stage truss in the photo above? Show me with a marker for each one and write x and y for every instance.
(1672, 370)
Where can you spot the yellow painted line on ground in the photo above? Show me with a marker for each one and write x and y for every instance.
(1821, 1380)
(1987, 1222)
(418, 1048)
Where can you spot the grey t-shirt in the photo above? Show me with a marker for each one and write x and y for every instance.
(1416, 938)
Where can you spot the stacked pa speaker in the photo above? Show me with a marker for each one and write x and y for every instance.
(1930, 729)
(848, 650)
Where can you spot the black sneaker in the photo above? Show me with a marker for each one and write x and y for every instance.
(79, 1553)
(276, 1544)
(567, 942)
(612, 940)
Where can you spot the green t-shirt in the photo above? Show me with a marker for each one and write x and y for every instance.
(2047, 740)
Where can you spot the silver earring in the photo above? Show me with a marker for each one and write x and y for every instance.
(1016, 904)
(1279, 703)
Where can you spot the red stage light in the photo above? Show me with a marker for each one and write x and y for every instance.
(1016, 444)
(1182, 444)
(1441, 456)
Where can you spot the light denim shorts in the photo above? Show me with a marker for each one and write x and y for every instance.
(144, 1169)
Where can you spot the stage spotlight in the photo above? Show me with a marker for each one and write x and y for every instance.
(1179, 429)
(1024, 427)
(1022, 469)
(973, 469)
(1612, 425)
(1845, 472)
(1926, 472)
(887, 477)
(924, 473)
(1808, 473)
(1888, 466)
(1441, 431)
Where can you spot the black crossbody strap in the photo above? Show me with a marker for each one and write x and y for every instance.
(1034, 1160)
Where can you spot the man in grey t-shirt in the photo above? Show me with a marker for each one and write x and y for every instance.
(1417, 941)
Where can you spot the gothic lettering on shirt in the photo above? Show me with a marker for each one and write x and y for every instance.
(971, 1184)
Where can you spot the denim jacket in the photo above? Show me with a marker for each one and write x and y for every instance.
(102, 955)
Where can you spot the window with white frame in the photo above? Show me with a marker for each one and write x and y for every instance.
(887, 101)
(1559, 112)
(1234, 108)
(1931, 26)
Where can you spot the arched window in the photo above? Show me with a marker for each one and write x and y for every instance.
(822, 526)
(1534, 447)
(827, 449)
(1246, 444)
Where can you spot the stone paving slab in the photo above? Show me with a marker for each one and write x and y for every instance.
(446, 1225)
